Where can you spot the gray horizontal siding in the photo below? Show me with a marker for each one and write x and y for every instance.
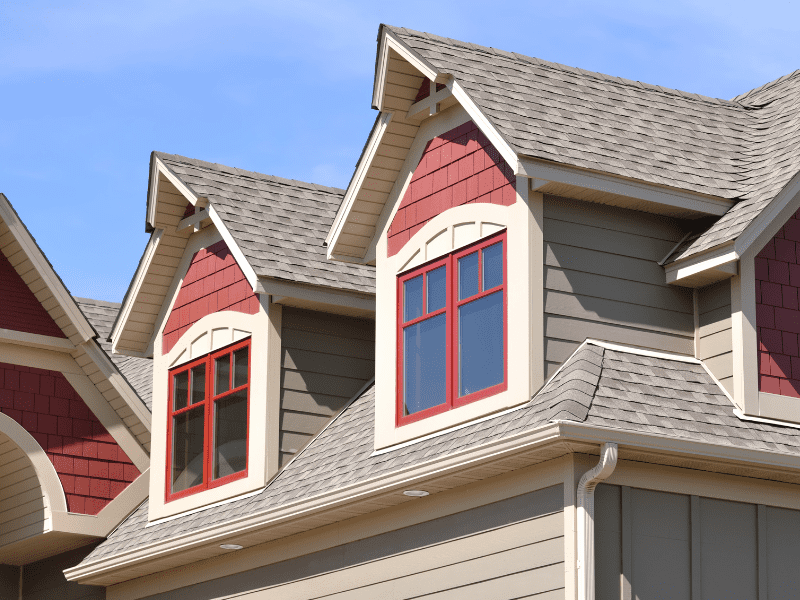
(508, 549)
(44, 580)
(325, 360)
(602, 280)
(714, 337)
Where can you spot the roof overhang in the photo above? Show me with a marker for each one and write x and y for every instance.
(530, 447)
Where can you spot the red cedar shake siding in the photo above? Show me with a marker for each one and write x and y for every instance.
(777, 311)
(92, 467)
(457, 167)
(19, 308)
(213, 283)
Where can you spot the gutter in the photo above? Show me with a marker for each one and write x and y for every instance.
(586, 487)
(538, 437)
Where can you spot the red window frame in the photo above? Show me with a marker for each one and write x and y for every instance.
(208, 414)
(450, 261)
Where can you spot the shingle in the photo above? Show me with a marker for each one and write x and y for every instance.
(279, 224)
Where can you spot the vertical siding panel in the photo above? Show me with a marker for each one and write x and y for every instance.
(607, 542)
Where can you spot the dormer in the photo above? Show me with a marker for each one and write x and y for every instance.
(499, 242)
(256, 340)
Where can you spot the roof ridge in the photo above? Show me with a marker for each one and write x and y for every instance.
(564, 68)
(765, 86)
(105, 303)
(250, 174)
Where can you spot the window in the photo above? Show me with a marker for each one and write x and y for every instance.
(208, 420)
(452, 331)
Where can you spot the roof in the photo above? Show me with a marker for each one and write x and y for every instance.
(279, 224)
(740, 149)
(138, 371)
(620, 389)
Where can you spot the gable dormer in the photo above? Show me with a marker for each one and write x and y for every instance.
(457, 170)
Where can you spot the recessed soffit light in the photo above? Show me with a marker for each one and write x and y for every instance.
(415, 493)
(230, 546)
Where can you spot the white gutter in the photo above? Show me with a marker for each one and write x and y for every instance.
(586, 486)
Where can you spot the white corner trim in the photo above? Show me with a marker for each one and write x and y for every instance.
(643, 352)
(43, 268)
(112, 373)
(486, 126)
(241, 259)
(358, 180)
(136, 285)
(45, 471)
(586, 487)
(12, 336)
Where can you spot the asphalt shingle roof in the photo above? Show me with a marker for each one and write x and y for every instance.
(138, 371)
(599, 386)
(742, 149)
(279, 224)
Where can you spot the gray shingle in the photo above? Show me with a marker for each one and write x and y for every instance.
(138, 371)
(596, 386)
(741, 149)
(279, 224)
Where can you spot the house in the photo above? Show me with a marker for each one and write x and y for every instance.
(542, 346)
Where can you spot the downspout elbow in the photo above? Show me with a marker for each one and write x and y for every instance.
(586, 487)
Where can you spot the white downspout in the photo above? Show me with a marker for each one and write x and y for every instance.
(589, 481)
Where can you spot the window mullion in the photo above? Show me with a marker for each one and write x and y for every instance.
(208, 427)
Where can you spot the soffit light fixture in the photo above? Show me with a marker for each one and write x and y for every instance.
(415, 493)
(231, 546)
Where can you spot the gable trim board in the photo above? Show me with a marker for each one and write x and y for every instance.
(35, 340)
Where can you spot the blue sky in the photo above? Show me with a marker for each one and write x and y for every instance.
(88, 89)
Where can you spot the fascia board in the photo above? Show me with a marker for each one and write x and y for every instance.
(357, 181)
(115, 378)
(538, 169)
(133, 290)
(753, 236)
(717, 257)
(274, 287)
(389, 40)
(582, 432)
(247, 524)
(241, 259)
(44, 269)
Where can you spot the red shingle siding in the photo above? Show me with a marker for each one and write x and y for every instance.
(213, 283)
(457, 167)
(92, 467)
(777, 311)
(19, 308)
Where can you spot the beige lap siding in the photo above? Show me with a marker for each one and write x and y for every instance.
(603, 280)
(22, 501)
(508, 549)
(325, 360)
(714, 340)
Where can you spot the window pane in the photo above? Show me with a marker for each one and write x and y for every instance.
(468, 276)
(222, 374)
(180, 390)
(187, 449)
(437, 289)
(480, 342)
(493, 266)
(425, 364)
(412, 299)
(198, 383)
(230, 434)
(240, 367)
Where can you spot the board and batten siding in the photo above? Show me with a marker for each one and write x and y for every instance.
(22, 500)
(714, 336)
(325, 360)
(602, 280)
(652, 544)
(505, 550)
